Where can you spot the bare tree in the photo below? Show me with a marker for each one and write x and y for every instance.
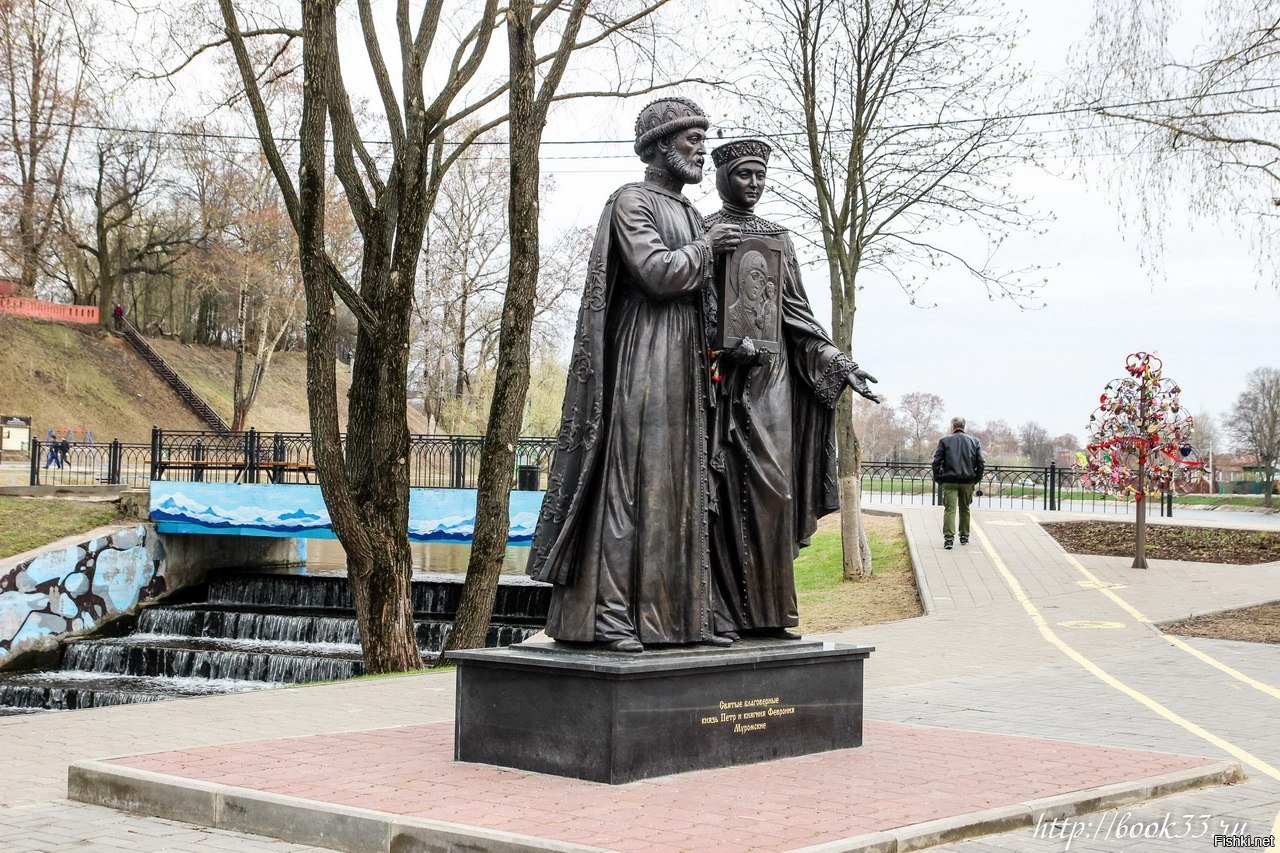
(922, 412)
(465, 410)
(1035, 443)
(1207, 434)
(999, 441)
(44, 59)
(880, 429)
(132, 227)
(1209, 440)
(1194, 129)
(365, 484)
(900, 166)
(390, 190)
(250, 243)
(467, 273)
(1255, 424)
(529, 104)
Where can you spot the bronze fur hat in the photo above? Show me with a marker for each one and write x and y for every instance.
(664, 117)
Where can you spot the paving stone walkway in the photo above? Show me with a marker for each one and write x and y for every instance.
(1023, 640)
(1051, 647)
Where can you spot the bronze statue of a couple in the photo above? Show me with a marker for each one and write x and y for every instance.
(694, 457)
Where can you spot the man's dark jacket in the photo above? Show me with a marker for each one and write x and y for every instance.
(958, 459)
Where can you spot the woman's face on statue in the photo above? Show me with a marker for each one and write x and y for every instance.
(746, 183)
(754, 273)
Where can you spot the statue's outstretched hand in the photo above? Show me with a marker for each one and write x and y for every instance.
(858, 379)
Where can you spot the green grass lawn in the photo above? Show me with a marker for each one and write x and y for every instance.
(27, 523)
(1224, 500)
(828, 602)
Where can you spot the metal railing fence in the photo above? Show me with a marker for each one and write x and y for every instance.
(113, 464)
(453, 461)
(1042, 488)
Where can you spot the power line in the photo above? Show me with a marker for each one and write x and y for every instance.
(1044, 113)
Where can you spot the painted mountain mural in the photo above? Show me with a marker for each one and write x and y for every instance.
(435, 515)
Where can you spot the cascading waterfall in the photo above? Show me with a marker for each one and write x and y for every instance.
(194, 621)
(252, 632)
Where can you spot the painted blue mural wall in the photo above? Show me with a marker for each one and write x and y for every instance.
(296, 510)
(68, 590)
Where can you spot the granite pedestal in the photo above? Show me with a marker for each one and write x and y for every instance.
(615, 717)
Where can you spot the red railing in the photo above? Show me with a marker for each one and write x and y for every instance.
(38, 310)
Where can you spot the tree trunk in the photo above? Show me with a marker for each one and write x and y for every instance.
(378, 471)
(106, 278)
(854, 548)
(855, 553)
(366, 488)
(497, 460)
(238, 412)
(1140, 526)
(460, 349)
(27, 237)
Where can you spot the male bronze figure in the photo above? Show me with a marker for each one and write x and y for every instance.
(773, 450)
(623, 530)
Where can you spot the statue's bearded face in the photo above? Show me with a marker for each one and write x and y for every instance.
(685, 152)
(745, 183)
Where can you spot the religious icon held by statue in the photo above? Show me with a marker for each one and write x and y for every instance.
(750, 294)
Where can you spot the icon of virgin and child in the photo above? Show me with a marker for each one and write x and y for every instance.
(696, 450)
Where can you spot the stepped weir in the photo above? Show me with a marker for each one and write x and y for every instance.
(252, 631)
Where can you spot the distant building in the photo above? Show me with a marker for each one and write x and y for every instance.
(1236, 474)
(15, 433)
(8, 287)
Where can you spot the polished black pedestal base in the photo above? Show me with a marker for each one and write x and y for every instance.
(615, 717)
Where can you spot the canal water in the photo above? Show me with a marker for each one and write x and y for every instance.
(325, 556)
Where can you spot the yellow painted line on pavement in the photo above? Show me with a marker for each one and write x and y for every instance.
(1175, 641)
(1107, 678)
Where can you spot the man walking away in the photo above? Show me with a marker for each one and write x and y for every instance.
(957, 465)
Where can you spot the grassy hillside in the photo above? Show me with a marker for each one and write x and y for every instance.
(67, 375)
(281, 404)
(73, 376)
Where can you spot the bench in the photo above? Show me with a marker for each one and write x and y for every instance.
(198, 467)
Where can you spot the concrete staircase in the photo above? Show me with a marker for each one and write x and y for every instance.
(193, 400)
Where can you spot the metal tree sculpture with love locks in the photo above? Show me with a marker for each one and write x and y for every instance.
(1140, 440)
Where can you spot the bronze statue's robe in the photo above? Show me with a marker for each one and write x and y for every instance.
(623, 528)
(773, 454)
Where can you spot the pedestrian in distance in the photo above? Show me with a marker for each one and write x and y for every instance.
(64, 449)
(117, 314)
(958, 466)
(54, 456)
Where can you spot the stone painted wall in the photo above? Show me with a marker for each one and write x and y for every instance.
(72, 589)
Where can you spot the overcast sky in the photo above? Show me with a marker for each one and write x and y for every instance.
(1203, 313)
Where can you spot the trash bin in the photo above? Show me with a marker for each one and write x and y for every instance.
(528, 478)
